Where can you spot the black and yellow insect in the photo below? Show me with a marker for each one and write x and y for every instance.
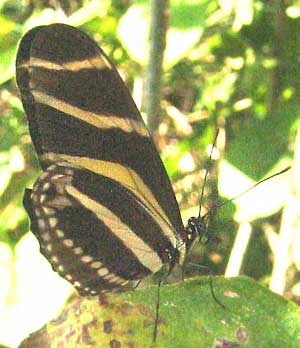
(103, 208)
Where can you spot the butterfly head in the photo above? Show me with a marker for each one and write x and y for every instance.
(196, 230)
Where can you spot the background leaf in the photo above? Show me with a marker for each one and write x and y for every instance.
(189, 317)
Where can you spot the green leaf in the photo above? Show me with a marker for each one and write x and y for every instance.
(261, 201)
(189, 317)
(257, 152)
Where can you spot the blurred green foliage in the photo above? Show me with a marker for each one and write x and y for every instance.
(226, 66)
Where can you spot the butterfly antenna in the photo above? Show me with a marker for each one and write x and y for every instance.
(251, 187)
(211, 275)
(207, 171)
(155, 331)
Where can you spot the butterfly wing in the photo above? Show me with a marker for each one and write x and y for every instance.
(103, 210)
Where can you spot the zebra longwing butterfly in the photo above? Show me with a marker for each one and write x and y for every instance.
(103, 209)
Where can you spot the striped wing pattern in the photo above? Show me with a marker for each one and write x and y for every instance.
(103, 209)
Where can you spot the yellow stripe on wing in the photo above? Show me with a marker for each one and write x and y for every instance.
(96, 120)
(97, 62)
(128, 178)
(144, 253)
